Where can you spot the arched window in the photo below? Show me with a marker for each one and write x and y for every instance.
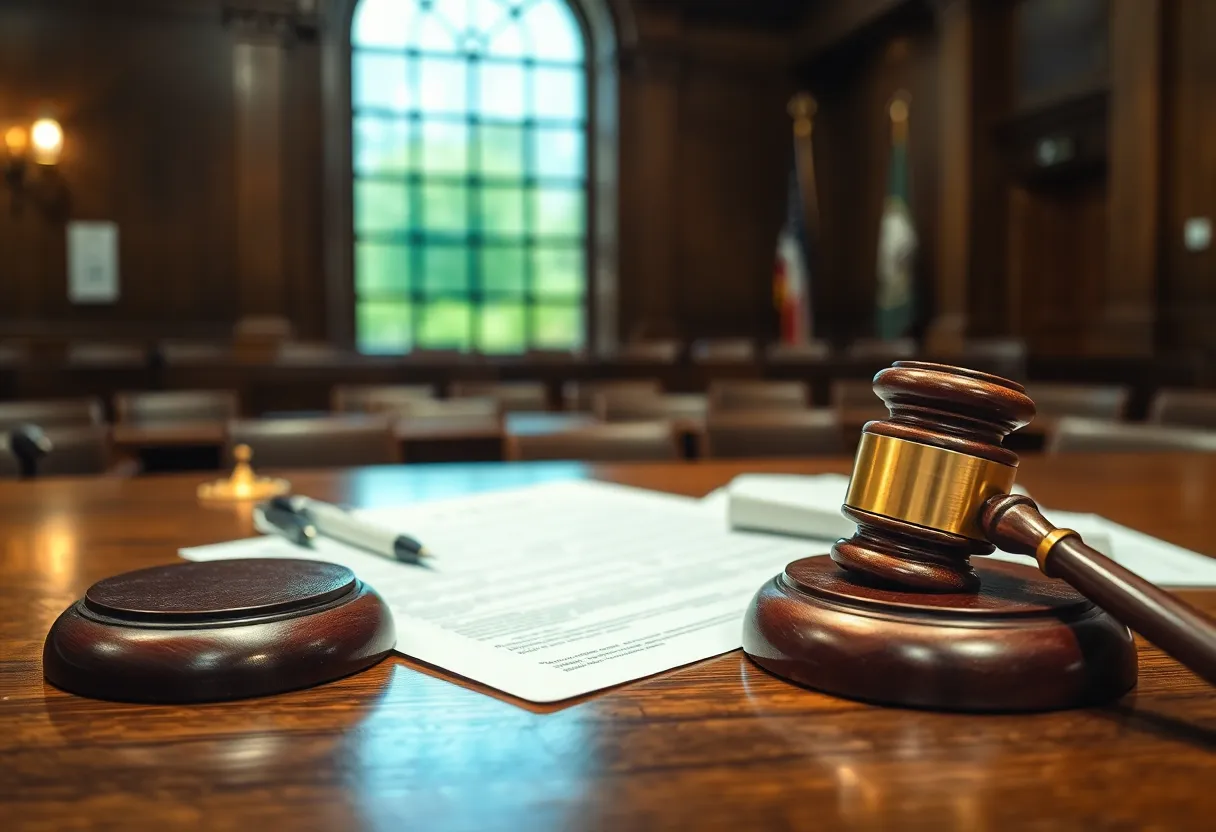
(469, 151)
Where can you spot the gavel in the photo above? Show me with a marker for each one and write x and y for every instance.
(899, 613)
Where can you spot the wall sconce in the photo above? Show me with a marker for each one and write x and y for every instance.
(29, 169)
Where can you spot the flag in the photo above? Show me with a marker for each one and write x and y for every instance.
(792, 272)
(897, 240)
(790, 275)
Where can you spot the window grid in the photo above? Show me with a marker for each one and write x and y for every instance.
(553, 237)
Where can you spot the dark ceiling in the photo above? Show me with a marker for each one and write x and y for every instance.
(753, 13)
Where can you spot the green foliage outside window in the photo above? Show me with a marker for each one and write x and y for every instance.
(470, 200)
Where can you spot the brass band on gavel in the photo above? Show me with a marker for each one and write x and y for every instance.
(924, 485)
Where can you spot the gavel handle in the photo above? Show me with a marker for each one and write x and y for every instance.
(1015, 524)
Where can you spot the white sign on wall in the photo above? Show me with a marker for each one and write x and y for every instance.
(92, 262)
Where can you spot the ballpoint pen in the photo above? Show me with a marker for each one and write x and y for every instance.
(302, 519)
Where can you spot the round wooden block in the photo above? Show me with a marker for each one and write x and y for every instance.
(1024, 642)
(229, 629)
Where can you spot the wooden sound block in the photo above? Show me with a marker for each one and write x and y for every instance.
(196, 632)
(1023, 642)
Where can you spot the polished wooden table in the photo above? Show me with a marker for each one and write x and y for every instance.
(716, 745)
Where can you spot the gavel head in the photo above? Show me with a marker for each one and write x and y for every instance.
(922, 476)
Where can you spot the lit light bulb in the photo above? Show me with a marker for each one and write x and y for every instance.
(47, 138)
(16, 140)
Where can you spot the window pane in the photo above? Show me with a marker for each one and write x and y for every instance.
(445, 208)
(487, 16)
(559, 152)
(503, 328)
(382, 23)
(379, 81)
(558, 327)
(558, 272)
(557, 93)
(507, 42)
(503, 269)
(384, 327)
(502, 211)
(502, 150)
(501, 91)
(445, 148)
(381, 269)
(559, 212)
(381, 146)
(431, 34)
(453, 13)
(444, 83)
(445, 269)
(445, 324)
(552, 31)
(381, 206)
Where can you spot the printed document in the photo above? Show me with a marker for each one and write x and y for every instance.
(560, 589)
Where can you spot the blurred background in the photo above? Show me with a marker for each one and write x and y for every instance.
(274, 198)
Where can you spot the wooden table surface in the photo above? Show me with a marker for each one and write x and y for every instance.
(716, 745)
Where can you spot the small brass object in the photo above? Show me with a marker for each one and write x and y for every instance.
(243, 484)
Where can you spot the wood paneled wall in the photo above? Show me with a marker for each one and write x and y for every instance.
(1188, 279)
(706, 152)
(145, 97)
(198, 126)
(159, 134)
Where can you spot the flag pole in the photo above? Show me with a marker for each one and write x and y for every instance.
(802, 109)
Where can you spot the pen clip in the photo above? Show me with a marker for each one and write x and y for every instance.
(278, 516)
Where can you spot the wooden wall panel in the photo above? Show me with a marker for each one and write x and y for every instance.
(1188, 279)
(145, 99)
(734, 164)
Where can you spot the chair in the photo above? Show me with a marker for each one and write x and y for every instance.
(315, 443)
(633, 442)
(79, 450)
(1078, 435)
(1005, 357)
(554, 356)
(1186, 408)
(106, 355)
(422, 420)
(742, 395)
(177, 406)
(423, 408)
(580, 395)
(630, 406)
(891, 350)
(368, 398)
(723, 350)
(512, 396)
(52, 413)
(306, 352)
(794, 353)
(665, 351)
(178, 353)
(1090, 401)
(855, 401)
(773, 433)
(258, 337)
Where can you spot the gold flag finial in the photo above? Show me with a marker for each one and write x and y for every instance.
(802, 110)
